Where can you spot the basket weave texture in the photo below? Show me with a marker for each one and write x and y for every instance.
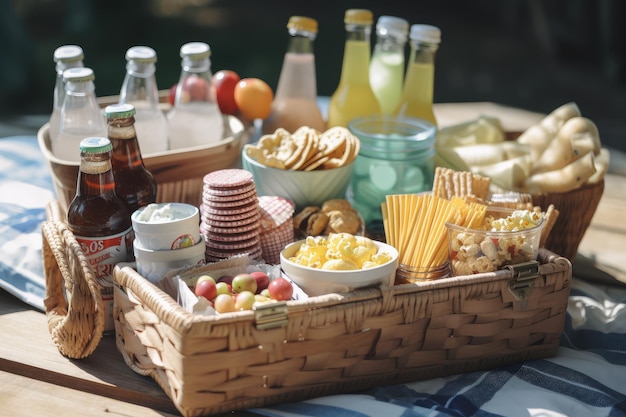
(576, 210)
(337, 343)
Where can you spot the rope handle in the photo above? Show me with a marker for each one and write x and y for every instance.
(73, 299)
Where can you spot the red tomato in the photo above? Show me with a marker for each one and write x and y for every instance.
(206, 289)
(262, 280)
(254, 98)
(280, 289)
(225, 82)
(195, 88)
(171, 96)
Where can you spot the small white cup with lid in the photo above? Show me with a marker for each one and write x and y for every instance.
(166, 226)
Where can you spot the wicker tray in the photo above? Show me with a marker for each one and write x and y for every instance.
(178, 173)
(340, 343)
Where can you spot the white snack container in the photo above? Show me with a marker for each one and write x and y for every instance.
(154, 264)
(166, 226)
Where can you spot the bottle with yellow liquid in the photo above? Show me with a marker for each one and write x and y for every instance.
(354, 96)
(419, 81)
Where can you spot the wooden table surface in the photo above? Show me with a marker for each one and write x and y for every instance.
(36, 380)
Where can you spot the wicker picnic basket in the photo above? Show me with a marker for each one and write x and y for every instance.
(576, 210)
(340, 343)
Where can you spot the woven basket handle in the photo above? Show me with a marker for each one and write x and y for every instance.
(73, 300)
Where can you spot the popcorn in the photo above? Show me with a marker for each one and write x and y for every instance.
(492, 247)
(340, 251)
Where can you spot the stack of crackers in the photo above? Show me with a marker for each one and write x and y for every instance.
(449, 183)
(306, 149)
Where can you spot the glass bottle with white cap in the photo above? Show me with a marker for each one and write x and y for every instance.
(195, 119)
(65, 57)
(80, 114)
(387, 66)
(417, 98)
(140, 89)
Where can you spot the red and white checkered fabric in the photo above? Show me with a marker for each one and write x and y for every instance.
(276, 226)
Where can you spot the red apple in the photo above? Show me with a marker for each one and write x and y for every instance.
(262, 280)
(280, 289)
(195, 88)
(206, 289)
(225, 82)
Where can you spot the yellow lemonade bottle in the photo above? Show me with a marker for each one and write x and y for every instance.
(354, 96)
(387, 66)
(419, 82)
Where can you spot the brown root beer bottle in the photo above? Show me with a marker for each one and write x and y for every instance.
(133, 182)
(99, 218)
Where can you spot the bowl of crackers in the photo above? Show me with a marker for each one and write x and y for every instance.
(307, 167)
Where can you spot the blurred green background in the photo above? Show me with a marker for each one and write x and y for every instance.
(531, 54)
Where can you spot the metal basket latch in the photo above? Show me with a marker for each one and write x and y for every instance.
(524, 275)
(270, 315)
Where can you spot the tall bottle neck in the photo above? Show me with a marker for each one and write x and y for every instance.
(300, 44)
(140, 84)
(357, 54)
(80, 89)
(389, 44)
(96, 176)
(59, 85)
(423, 53)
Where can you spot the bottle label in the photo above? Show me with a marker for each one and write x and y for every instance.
(103, 253)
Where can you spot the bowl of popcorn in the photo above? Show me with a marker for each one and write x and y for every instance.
(339, 262)
(307, 167)
(506, 237)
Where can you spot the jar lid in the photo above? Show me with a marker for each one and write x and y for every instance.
(141, 54)
(80, 74)
(195, 50)
(119, 111)
(425, 33)
(302, 23)
(358, 17)
(393, 26)
(68, 53)
(95, 144)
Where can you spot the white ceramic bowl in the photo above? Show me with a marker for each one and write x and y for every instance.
(304, 188)
(317, 281)
(154, 264)
(166, 226)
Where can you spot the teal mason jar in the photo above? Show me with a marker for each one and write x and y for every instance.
(397, 156)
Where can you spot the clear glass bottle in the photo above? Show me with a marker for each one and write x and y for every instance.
(354, 96)
(419, 82)
(295, 104)
(99, 219)
(140, 89)
(195, 119)
(133, 182)
(387, 66)
(65, 57)
(80, 114)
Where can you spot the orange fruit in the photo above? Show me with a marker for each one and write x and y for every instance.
(254, 98)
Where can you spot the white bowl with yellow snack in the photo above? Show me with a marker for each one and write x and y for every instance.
(307, 167)
(339, 262)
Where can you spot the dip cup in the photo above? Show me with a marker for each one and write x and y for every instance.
(166, 226)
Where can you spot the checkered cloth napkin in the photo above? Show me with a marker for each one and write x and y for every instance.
(276, 226)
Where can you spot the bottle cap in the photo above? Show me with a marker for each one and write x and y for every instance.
(95, 144)
(425, 33)
(119, 111)
(141, 54)
(68, 53)
(358, 17)
(302, 23)
(80, 74)
(195, 50)
(392, 26)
